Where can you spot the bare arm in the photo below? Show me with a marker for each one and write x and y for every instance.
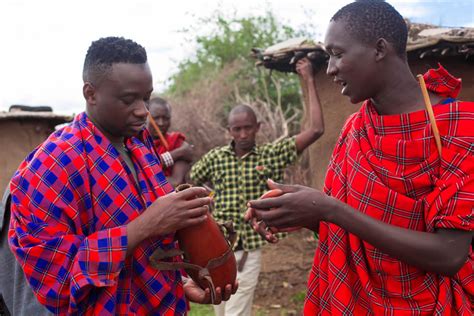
(180, 170)
(184, 152)
(312, 106)
(443, 251)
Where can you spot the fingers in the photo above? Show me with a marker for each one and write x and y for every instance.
(197, 202)
(226, 294)
(249, 214)
(302, 62)
(200, 211)
(265, 204)
(192, 192)
(285, 188)
(263, 230)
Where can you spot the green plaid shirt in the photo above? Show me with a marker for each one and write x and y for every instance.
(238, 180)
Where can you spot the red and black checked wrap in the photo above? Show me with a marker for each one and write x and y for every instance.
(388, 167)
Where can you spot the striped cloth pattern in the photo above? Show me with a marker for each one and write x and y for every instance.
(71, 201)
(388, 167)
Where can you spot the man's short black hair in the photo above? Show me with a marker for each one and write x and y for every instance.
(369, 20)
(243, 108)
(105, 52)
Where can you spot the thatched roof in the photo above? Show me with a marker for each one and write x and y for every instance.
(423, 40)
(53, 118)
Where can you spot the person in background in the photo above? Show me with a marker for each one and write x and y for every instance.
(238, 173)
(175, 153)
(16, 295)
(396, 217)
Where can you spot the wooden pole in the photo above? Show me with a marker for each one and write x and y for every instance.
(429, 108)
(157, 129)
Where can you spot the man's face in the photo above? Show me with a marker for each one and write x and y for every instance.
(351, 63)
(119, 104)
(162, 117)
(243, 128)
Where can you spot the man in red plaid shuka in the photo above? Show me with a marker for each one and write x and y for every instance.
(91, 204)
(176, 153)
(395, 220)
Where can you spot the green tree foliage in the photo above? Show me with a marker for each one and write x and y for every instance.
(229, 41)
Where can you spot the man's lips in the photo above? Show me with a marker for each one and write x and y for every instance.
(244, 143)
(342, 83)
(138, 124)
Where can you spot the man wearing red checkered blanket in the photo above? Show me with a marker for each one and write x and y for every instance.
(395, 220)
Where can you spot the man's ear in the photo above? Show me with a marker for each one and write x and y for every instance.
(381, 49)
(88, 91)
(258, 126)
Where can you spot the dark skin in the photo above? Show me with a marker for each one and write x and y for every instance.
(183, 155)
(243, 127)
(117, 105)
(395, 91)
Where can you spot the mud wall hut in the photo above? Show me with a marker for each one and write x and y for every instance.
(20, 132)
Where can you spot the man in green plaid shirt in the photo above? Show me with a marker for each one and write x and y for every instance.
(239, 172)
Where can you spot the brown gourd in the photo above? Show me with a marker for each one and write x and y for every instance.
(205, 245)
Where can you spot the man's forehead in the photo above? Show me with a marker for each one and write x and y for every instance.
(159, 109)
(337, 35)
(125, 75)
(242, 118)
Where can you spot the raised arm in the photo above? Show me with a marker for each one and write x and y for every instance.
(312, 106)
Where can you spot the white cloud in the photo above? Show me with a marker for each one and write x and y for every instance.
(44, 42)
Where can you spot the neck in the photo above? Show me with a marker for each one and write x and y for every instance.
(239, 152)
(401, 92)
(109, 136)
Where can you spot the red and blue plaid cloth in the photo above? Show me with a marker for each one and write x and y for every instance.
(388, 167)
(71, 200)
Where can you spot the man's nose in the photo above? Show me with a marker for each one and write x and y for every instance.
(331, 70)
(141, 110)
(243, 134)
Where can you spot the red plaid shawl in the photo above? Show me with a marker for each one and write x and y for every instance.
(388, 167)
(175, 140)
(71, 200)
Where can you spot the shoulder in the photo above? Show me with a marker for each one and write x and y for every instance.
(217, 152)
(456, 119)
(61, 154)
(351, 123)
(176, 135)
(284, 143)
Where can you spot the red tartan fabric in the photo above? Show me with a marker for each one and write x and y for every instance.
(175, 140)
(388, 168)
(71, 200)
(441, 82)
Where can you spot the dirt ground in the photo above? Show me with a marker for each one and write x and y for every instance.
(285, 266)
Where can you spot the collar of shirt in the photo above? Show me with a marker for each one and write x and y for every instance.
(230, 149)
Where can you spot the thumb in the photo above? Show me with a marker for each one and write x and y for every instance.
(285, 188)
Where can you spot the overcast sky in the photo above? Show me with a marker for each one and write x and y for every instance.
(44, 42)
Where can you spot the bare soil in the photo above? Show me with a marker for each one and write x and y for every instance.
(282, 283)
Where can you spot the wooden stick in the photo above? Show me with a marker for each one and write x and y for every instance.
(157, 129)
(429, 108)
